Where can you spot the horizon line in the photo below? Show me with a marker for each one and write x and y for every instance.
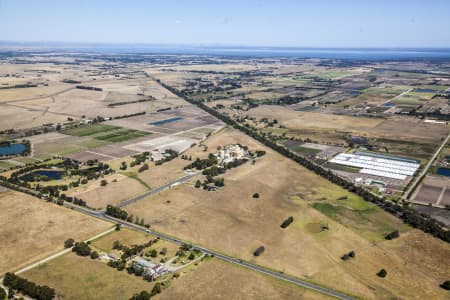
(61, 44)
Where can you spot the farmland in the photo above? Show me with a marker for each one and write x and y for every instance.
(244, 223)
(32, 229)
(86, 279)
(216, 279)
(115, 127)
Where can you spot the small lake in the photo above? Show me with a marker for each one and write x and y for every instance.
(165, 121)
(54, 175)
(12, 149)
(443, 171)
(388, 104)
(423, 90)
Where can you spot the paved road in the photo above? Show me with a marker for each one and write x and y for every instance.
(424, 172)
(157, 190)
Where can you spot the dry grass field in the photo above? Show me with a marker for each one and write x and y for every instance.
(233, 222)
(31, 229)
(215, 279)
(74, 277)
(8, 95)
(12, 116)
(211, 279)
(398, 128)
(119, 188)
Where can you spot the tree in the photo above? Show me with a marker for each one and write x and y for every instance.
(144, 295)
(143, 168)
(81, 249)
(103, 182)
(153, 253)
(382, 273)
(446, 285)
(198, 184)
(2, 294)
(10, 293)
(130, 218)
(259, 251)
(69, 243)
(255, 195)
(393, 235)
(191, 256)
(94, 255)
(118, 226)
(287, 222)
(156, 289)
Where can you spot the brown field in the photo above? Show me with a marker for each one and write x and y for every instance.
(431, 189)
(113, 193)
(428, 194)
(55, 144)
(8, 95)
(79, 102)
(32, 229)
(75, 277)
(19, 117)
(243, 223)
(159, 175)
(398, 128)
(215, 279)
(30, 107)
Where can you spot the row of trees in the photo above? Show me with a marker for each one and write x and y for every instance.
(130, 102)
(169, 154)
(27, 287)
(406, 213)
(144, 295)
(116, 212)
(201, 164)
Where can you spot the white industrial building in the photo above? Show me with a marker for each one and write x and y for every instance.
(378, 165)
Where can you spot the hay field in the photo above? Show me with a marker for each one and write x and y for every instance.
(233, 222)
(215, 279)
(31, 229)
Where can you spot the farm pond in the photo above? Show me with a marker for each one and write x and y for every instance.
(12, 149)
(42, 174)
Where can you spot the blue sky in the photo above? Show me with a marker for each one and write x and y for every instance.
(314, 23)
